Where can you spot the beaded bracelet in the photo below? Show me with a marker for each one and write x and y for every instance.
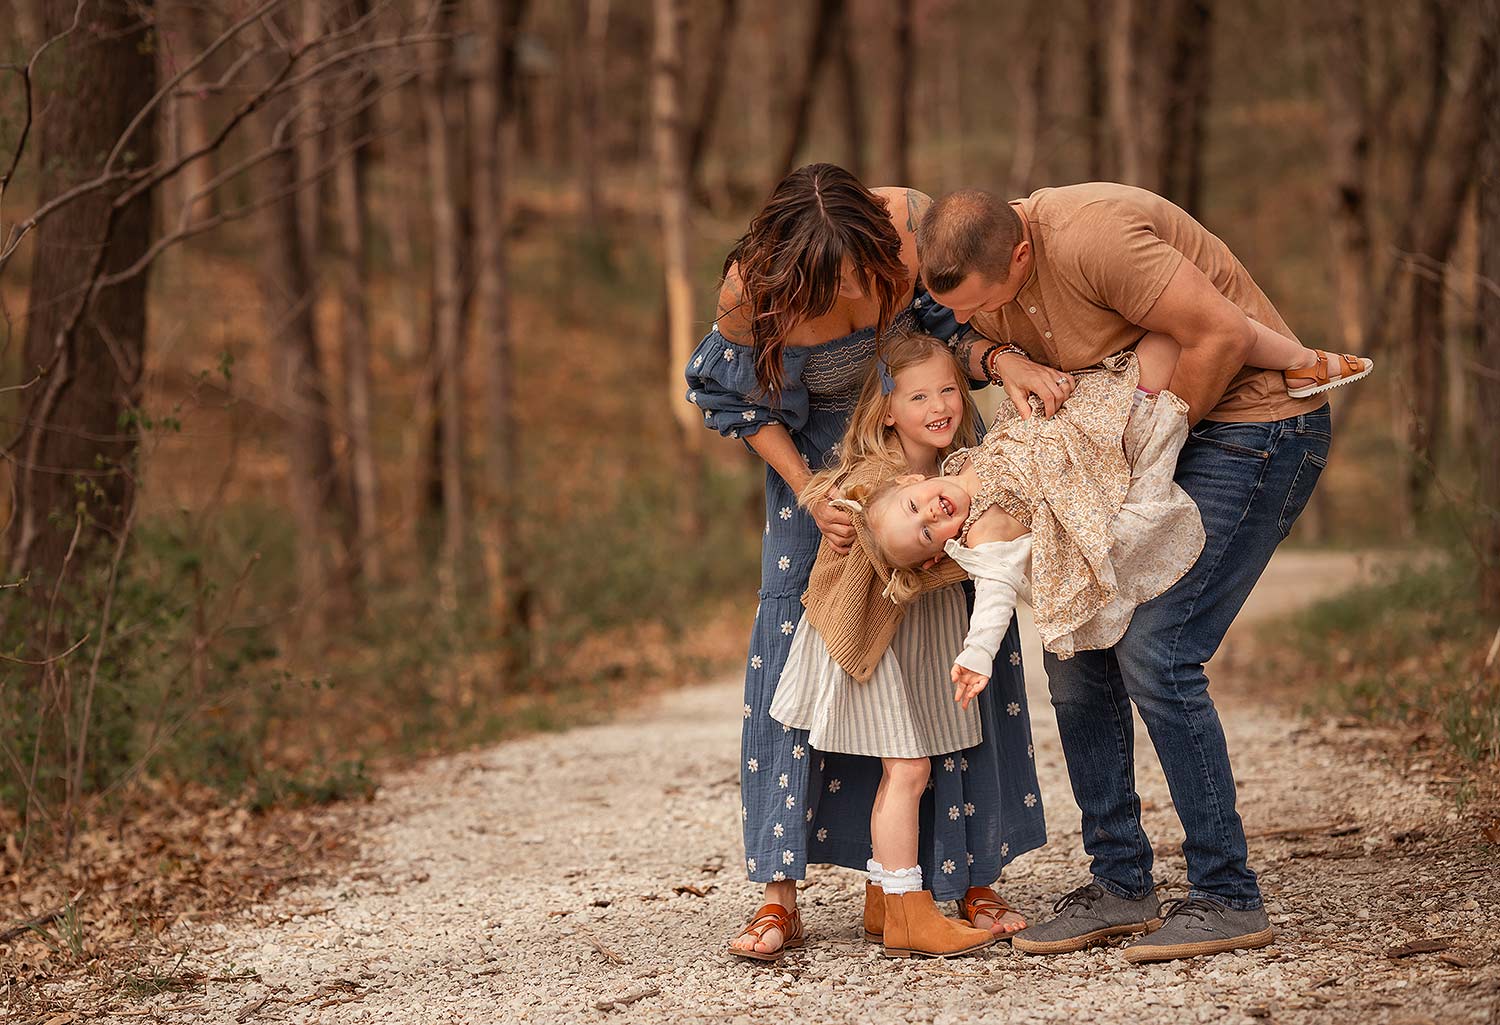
(995, 350)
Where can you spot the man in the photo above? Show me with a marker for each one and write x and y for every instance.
(1070, 276)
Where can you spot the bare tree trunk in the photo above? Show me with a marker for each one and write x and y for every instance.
(666, 109)
(1123, 93)
(1094, 111)
(499, 533)
(75, 455)
(713, 91)
(1345, 67)
(310, 146)
(1488, 397)
(854, 110)
(1184, 106)
(353, 276)
(903, 72)
(1028, 81)
(819, 46)
(591, 17)
(436, 84)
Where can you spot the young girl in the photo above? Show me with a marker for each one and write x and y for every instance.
(913, 411)
(1080, 510)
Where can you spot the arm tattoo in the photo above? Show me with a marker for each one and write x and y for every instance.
(916, 206)
(963, 348)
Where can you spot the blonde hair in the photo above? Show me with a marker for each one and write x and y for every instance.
(870, 453)
(903, 583)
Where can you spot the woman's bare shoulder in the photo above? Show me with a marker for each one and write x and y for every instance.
(732, 316)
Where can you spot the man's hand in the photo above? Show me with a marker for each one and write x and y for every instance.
(836, 524)
(1023, 378)
(967, 684)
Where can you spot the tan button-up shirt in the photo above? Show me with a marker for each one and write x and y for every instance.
(1102, 255)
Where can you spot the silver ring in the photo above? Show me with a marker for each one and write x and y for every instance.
(1060, 380)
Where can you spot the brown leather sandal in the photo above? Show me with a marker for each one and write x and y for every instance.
(768, 917)
(982, 900)
(1321, 376)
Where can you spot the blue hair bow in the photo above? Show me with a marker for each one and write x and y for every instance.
(887, 382)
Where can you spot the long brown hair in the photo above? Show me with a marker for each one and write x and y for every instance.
(792, 258)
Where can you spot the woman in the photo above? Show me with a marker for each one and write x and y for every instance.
(824, 270)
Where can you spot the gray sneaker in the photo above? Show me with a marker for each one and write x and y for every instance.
(1194, 926)
(1088, 915)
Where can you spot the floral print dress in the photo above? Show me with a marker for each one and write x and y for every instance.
(800, 805)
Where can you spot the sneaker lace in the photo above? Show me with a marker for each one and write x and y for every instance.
(1083, 896)
(1192, 907)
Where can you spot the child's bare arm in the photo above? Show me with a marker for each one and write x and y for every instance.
(1158, 358)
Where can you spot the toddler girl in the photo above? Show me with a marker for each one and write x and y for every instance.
(873, 682)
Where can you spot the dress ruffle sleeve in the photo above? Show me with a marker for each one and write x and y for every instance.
(721, 383)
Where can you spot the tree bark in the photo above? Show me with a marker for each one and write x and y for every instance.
(854, 108)
(1184, 106)
(666, 109)
(819, 46)
(352, 273)
(499, 524)
(310, 146)
(713, 92)
(436, 86)
(76, 452)
(591, 20)
(1028, 73)
(1348, 122)
(903, 72)
(1123, 98)
(1488, 393)
(1094, 109)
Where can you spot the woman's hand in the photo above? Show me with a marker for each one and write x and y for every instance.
(967, 684)
(836, 524)
(1022, 378)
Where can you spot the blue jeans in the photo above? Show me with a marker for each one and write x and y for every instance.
(1250, 482)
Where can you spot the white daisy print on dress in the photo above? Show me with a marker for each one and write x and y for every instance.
(963, 764)
(1014, 708)
(798, 751)
(729, 355)
(834, 785)
(1030, 750)
(948, 764)
(782, 781)
(809, 814)
(784, 563)
(968, 807)
(750, 864)
(747, 711)
(1004, 849)
(1015, 658)
(777, 831)
(734, 435)
(692, 395)
(748, 415)
(1029, 800)
(948, 866)
(756, 662)
(785, 728)
(778, 877)
(971, 857)
(787, 627)
(744, 813)
(787, 857)
(822, 834)
(753, 765)
(791, 801)
(698, 360)
(953, 813)
(786, 512)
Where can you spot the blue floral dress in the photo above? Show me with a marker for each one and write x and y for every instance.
(800, 805)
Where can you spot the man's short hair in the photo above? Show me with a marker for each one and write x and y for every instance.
(964, 232)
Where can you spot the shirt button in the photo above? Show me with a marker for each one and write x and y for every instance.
(1031, 309)
(1046, 334)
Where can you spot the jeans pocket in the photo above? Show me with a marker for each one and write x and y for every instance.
(1246, 439)
(1297, 496)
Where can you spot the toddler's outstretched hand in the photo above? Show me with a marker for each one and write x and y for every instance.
(967, 685)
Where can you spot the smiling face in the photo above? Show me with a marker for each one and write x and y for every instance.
(913, 521)
(926, 408)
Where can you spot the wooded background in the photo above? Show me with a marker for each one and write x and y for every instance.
(340, 366)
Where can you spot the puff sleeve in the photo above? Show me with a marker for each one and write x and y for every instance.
(721, 383)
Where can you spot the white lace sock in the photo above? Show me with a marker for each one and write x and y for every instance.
(902, 880)
(876, 872)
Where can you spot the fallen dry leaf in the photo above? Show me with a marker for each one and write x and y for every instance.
(1431, 946)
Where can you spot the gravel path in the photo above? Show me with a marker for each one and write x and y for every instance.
(539, 880)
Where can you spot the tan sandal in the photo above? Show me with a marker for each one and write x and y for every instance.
(768, 917)
(982, 900)
(1320, 377)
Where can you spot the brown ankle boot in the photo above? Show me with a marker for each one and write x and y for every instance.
(874, 913)
(914, 925)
